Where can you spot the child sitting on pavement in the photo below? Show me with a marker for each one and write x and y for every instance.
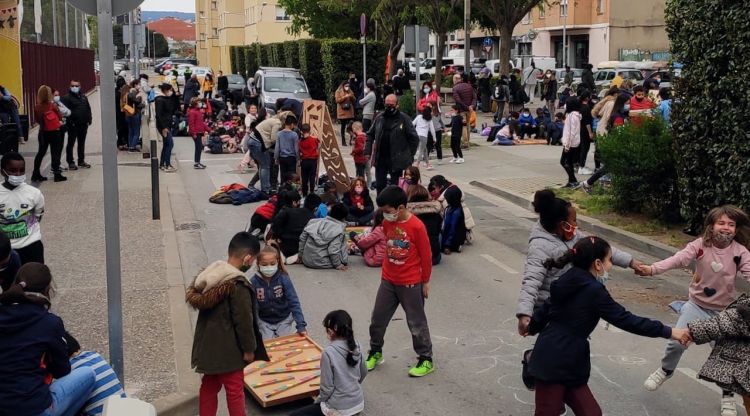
(526, 124)
(554, 135)
(288, 225)
(372, 243)
(323, 242)
(278, 305)
(454, 225)
(410, 177)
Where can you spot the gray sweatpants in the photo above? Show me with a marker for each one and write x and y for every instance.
(283, 328)
(689, 313)
(411, 299)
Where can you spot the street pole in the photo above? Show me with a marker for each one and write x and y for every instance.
(131, 55)
(467, 37)
(67, 28)
(111, 188)
(565, 28)
(364, 60)
(75, 19)
(416, 65)
(54, 22)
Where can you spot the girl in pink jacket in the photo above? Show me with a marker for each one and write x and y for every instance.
(372, 244)
(719, 255)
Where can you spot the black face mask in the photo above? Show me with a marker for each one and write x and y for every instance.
(390, 111)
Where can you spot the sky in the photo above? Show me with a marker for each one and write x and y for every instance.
(169, 5)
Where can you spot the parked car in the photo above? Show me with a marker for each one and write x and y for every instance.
(477, 64)
(560, 75)
(494, 66)
(666, 78)
(603, 77)
(236, 82)
(197, 70)
(274, 83)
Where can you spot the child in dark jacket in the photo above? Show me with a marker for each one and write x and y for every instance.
(358, 202)
(454, 225)
(554, 135)
(526, 124)
(430, 213)
(457, 126)
(227, 337)
(288, 225)
(278, 305)
(561, 363)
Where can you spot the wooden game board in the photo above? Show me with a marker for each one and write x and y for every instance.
(292, 374)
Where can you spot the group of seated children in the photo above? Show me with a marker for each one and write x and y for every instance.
(511, 130)
(213, 133)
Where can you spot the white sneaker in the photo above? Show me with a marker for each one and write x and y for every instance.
(460, 160)
(585, 171)
(728, 406)
(429, 167)
(453, 160)
(440, 161)
(656, 379)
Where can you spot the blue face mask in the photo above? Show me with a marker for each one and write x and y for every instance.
(75, 90)
(626, 107)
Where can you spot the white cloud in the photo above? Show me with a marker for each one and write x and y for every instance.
(169, 5)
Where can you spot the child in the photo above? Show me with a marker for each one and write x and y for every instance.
(424, 126)
(507, 136)
(457, 126)
(286, 152)
(326, 202)
(430, 212)
(262, 216)
(372, 244)
(719, 255)
(329, 188)
(198, 129)
(358, 153)
(323, 242)
(410, 177)
(571, 140)
(227, 337)
(561, 362)
(543, 122)
(554, 136)
(23, 209)
(107, 384)
(308, 150)
(357, 200)
(342, 371)
(278, 304)
(454, 226)
(405, 281)
(526, 124)
(288, 225)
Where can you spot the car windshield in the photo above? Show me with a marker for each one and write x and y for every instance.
(284, 84)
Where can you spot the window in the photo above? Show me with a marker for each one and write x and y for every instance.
(600, 6)
(203, 14)
(281, 14)
(563, 7)
(284, 84)
(542, 10)
(203, 37)
(215, 32)
(213, 5)
(610, 76)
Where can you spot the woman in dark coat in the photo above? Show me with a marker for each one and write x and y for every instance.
(561, 361)
(430, 213)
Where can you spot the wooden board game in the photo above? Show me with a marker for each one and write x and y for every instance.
(532, 141)
(292, 374)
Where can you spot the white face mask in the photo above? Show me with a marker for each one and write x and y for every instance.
(56, 98)
(391, 217)
(603, 278)
(426, 90)
(268, 271)
(358, 189)
(16, 180)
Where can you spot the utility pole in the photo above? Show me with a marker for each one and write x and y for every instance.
(565, 36)
(54, 22)
(467, 38)
(67, 28)
(75, 19)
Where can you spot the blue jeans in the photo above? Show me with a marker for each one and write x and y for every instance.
(134, 130)
(166, 150)
(264, 164)
(71, 392)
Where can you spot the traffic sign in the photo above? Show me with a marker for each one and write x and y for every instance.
(118, 6)
(363, 24)
(487, 42)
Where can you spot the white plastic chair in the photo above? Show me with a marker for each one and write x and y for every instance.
(120, 406)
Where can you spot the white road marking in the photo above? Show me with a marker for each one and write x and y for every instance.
(499, 264)
(694, 376)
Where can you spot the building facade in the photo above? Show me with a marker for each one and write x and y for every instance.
(224, 23)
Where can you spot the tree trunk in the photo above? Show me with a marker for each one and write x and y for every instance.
(396, 41)
(506, 40)
(439, 61)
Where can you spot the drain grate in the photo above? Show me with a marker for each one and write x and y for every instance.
(188, 226)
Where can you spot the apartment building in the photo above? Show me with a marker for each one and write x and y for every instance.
(224, 23)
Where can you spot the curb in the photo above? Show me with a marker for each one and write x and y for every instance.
(594, 226)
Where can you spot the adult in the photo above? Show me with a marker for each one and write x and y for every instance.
(516, 100)
(50, 117)
(35, 374)
(134, 101)
(400, 83)
(23, 207)
(144, 90)
(290, 104)
(603, 109)
(268, 129)
(485, 89)
(368, 101)
(222, 86)
(208, 86)
(165, 107)
(391, 143)
(429, 97)
(549, 90)
(77, 124)
(354, 84)
(553, 235)
(612, 114)
(587, 132)
(640, 105)
(345, 102)
(465, 98)
(9, 114)
(192, 89)
(359, 204)
(122, 125)
(501, 95)
(250, 92)
(587, 79)
(530, 76)
(568, 80)
(261, 157)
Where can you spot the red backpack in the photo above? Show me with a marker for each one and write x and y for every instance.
(52, 119)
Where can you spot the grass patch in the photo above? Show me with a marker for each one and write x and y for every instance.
(600, 205)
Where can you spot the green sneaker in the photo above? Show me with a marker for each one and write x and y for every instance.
(373, 359)
(422, 368)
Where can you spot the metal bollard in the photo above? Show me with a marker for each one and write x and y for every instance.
(155, 211)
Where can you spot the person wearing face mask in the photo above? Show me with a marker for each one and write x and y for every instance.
(165, 107)
(526, 124)
(49, 115)
(391, 143)
(560, 362)
(77, 124)
(354, 84)
(227, 336)
(279, 308)
(24, 207)
(345, 101)
(554, 234)
(9, 112)
(368, 104)
(357, 200)
(640, 105)
(719, 254)
(549, 90)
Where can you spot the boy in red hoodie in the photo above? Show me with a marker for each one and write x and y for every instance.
(405, 280)
(360, 160)
(308, 152)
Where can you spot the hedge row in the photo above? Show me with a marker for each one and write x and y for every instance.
(323, 63)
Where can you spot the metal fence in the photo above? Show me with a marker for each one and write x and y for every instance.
(54, 66)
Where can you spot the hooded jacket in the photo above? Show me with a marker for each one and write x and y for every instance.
(373, 246)
(322, 244)
(340, 384)
(226, 327)
(277, 299)
(537, 280)
(431, 215)
(562, 354)
(31, 348)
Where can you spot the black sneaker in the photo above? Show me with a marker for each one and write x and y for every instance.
(60, 178)
(72, 166)
(84, 165)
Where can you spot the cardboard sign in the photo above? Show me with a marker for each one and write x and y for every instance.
(317, 116)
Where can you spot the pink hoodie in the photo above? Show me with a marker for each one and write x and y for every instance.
(713, 285)
(373, 245)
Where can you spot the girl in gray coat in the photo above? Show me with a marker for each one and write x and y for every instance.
(342, 371)
(554, 234)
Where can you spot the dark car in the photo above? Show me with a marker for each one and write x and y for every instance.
(236, 82)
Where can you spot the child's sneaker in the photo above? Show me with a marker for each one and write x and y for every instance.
(429, 167)
(453, 160)
(424, 366)
(374, 359)
(656, 379)
(728, 406)
(460, 160)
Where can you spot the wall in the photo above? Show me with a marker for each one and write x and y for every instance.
(640, 27)
(599, 45)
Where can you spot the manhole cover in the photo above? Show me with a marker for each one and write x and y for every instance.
(186, 226)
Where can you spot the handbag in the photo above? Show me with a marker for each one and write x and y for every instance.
(346, 106)
(128, 109)
(528, 380)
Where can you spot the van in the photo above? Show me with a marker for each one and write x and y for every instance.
(494, 66)
(274, 83)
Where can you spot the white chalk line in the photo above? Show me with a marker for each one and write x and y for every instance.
(499, 264)
(694, 376)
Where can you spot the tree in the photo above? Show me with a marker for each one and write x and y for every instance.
(391, 16)
(503, 15)
(184, 49)
(159, 47)
(326, 18)
(441, 16)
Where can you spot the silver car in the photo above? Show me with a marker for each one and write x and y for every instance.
(274, 83)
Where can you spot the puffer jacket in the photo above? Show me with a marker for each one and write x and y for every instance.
(537, 279)
(729, 362)
(373, 246)
(322, 244)
(431, 215)
(226, 326)
(468, 218)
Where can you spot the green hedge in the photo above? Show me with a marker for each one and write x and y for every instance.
(241, 62)
(309, 66)
(251, 60)
(709, 117)
(235, 60)
(641, 160)
(291, 54)
(343, 55)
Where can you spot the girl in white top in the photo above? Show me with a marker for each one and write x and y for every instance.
(571, 139)
(21, 209)
(424, 126)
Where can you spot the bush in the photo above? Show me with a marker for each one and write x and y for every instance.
(340, 56)
(709, 117)
(407, 105)
(291, 54)
(641, 160)
(309, 66)
(251, 60)
(241, 60)
(234, 58)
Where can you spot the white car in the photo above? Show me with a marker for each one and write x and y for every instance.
(197, 70)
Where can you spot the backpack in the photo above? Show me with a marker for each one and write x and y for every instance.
(214, 145)
(51, 120)
(151, 95)
(521, 96)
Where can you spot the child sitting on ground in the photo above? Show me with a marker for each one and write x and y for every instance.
(288, 225)
(508, 134)
(554, 137)
(410, 177)
(372, 243)
(323, 242)
(526, 124)
(454, 226)
(107, 384)
(278, 305)
(543, 122)
(430, 213)
(357, 200)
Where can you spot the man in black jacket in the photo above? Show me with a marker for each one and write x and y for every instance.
(222, 85)
(165, 107)
(192, 89)
(391, 143)
(78, 124)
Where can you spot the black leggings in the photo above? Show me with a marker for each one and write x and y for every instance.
(308, 168)
(568, 159)
(344, 122)
(584, 150)
(198, 141)
(456, 146)
(309, 410)
(34, 252)
(54, 141)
